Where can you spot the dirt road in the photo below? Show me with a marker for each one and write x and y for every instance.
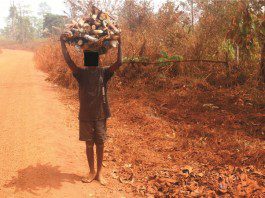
(40, 153)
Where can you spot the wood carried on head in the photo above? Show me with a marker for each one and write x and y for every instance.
(96, 32)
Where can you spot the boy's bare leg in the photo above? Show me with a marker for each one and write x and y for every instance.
(90, 159)
(100, 152)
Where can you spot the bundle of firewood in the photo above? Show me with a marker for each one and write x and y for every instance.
(96, 32)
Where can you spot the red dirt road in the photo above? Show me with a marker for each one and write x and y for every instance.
(40, 153)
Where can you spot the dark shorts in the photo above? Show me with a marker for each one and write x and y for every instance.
(93, 131)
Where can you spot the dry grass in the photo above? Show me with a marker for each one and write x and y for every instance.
(49, 59)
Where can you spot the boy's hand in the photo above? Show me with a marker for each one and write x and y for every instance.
(118, 63)
(62, 38)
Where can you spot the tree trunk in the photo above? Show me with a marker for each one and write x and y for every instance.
(192, 15)
(237, 55)
(262, 62)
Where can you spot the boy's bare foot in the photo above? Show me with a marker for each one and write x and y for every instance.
(91, 176)
(101, 180)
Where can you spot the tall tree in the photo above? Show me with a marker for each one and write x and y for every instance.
(134, 14)
(44, 9)
(19, 24)
(12, 17)
(53, 20)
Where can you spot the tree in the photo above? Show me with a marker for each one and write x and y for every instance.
(212, 26)
(248, 30)
(25, 30)
(53, 20)
(241, 30)
(260, 24)
(262, 63)
(44, 9)
(169, 20)
(37, 24)
(12, 18)
(19, 25)
(133, 14)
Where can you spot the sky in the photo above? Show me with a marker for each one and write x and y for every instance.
(57, 7)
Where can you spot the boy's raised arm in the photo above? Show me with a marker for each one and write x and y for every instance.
(67, 57)
(118, 63)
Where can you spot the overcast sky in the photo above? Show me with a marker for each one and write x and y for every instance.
(56, 5)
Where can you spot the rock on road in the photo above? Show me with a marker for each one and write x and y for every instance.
(40, 155)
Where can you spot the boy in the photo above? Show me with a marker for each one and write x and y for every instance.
(94, 108)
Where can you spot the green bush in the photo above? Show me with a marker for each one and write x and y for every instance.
(166, 57)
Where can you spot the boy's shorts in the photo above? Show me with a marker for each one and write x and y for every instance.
(93, 131)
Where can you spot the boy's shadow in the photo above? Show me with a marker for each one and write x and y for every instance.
(34, 178)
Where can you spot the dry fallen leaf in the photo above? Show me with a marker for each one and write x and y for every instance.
(185, 171)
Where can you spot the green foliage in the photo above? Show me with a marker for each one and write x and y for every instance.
(135, 59)
(25, 29)
(164, 54)
(228, 48)
(19, 25)
(166, 57)
(44, 8)
(51, 20)
(37, 24)
(246, 27)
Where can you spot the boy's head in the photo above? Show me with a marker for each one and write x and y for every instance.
(91, 58)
